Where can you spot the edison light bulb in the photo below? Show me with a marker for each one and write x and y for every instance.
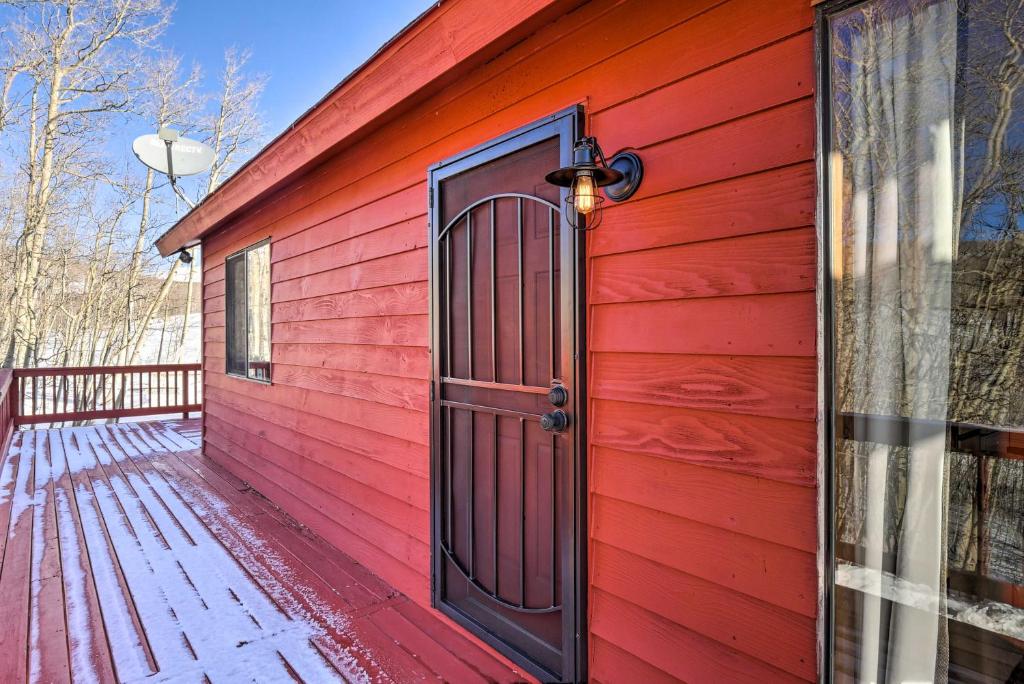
(585, 194)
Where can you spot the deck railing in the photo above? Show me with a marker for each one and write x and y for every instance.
(60, 395)
(985, 445)
(7, 405)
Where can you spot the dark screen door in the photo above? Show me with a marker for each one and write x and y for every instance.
(504, 413)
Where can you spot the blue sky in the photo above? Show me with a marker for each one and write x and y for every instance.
(305, 47)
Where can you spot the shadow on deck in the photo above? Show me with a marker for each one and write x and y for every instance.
(129, 556)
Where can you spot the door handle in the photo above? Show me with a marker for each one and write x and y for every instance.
(556, 421)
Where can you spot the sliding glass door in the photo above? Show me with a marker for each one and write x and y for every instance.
(924, 121)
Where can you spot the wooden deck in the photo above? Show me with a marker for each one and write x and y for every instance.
(128, 556)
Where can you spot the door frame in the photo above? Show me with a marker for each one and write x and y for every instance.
(567, 125)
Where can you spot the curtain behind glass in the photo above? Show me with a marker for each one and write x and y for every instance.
(927, 175)
(258, 280)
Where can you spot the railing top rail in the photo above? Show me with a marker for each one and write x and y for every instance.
(97, 370)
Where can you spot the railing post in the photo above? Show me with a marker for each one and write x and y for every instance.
(184, 393)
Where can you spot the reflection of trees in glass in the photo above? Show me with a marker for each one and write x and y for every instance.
(988, 277)
(986, 311)
(258, 263)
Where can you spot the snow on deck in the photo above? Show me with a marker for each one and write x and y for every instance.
(128, 557)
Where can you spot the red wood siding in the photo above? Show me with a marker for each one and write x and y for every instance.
(701, 322)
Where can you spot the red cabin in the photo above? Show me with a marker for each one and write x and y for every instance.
(699, 439)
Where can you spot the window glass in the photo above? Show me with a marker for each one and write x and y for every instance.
(258, 296)
(247, 312)
(926, 175)
(234, 314)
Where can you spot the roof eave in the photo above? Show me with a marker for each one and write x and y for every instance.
(449, 34)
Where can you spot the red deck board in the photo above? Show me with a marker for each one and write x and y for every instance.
(128, 554)
(89, 648)
(47, 601)
(15, 574)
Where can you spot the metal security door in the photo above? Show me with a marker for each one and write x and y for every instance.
(505, 432)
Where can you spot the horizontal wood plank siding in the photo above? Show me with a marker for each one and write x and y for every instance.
(702, 369)
(701, 323)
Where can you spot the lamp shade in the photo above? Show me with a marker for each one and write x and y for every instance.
(564, 176)
(583, 159)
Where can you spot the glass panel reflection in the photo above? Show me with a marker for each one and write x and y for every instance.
(927, 175)
(258, 281)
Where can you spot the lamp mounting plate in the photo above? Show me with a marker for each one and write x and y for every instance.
(632, 170)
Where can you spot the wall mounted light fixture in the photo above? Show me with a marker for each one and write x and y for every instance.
(620, 178)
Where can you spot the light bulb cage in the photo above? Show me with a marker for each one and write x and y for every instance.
(581, 221)
(619, 178)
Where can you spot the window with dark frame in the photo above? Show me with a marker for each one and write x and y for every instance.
(923, 149)
(247, 312)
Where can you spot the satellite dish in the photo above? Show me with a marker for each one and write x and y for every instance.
(167, 153)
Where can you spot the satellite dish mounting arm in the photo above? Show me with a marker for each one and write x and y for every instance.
(170, 175)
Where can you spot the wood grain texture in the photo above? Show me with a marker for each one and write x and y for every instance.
(780, 575)
(338, 216)
(405, 486)
(405, 362)
(759, 202)
(383, 478)
(778, 637)
(758, 264)
(320, 482)
(16, 573)
(774, 511)
(406, 267)
(748, 84)
(383, 389)
(613, 664)
(48, 605)
(374, 443)
(395, 542)
(660, 642)
(777, 449)
(390, 300)
(776, 137)
(765, 325)
(267, 481)
(402, 331)
(402, 237)
(776, 387)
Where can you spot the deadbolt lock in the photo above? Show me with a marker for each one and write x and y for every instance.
(558, 396)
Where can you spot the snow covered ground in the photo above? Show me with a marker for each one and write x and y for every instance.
(161, 341)
(993, 616)
(130, 557)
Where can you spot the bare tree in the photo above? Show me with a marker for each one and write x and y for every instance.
(75, 59)
(171, 99)
(77, 219)
(233, 130)
(236, 128)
